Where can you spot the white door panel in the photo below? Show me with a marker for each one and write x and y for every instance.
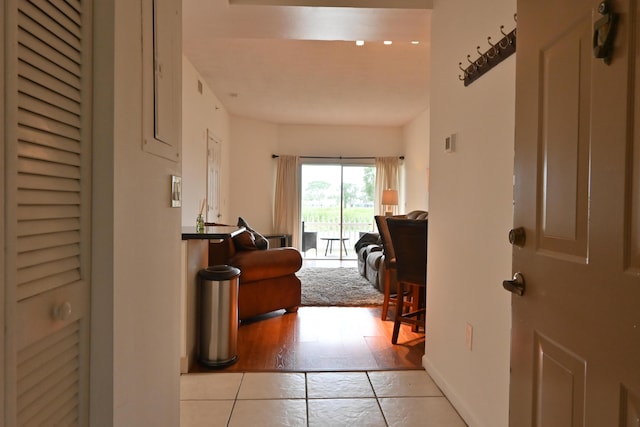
(576, 330)
(47, 156)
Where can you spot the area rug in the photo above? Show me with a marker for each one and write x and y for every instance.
(341, 286)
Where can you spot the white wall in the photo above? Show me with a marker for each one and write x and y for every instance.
(416, 163)
(136, 242)
(253, 173)
(347, 141)
(202, 112)
(470, 212)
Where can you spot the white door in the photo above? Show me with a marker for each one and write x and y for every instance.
(47, 139)
(575, 352)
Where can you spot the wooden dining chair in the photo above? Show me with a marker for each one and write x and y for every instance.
(389, 259)
(409, 240)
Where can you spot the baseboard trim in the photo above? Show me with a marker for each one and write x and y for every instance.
(460, 405)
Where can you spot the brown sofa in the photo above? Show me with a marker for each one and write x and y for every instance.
(267, 276)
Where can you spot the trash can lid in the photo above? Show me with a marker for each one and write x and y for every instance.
(219, 272)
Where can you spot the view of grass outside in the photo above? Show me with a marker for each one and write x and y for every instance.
(321, 192)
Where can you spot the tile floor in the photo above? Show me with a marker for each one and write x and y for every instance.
(354, 399)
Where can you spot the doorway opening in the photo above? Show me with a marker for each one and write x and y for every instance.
(336, 208)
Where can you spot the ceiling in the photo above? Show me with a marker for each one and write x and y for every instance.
(296, 62)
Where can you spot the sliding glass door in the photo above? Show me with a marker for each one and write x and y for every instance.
(337, 207)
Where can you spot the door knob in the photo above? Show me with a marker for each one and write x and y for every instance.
(62, 311)
(517, 237)
(516, 285)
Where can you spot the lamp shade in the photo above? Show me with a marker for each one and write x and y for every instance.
(390, 197)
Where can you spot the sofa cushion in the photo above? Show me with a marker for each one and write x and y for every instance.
(362, 261)
(367, 239)
(418, 214)
(245, 242)
(374, 259)
(261, 241)
(363, 253)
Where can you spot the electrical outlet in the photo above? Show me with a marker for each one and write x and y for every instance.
(468, 340)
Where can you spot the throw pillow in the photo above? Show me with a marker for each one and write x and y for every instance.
(245, 242)
(261, 241)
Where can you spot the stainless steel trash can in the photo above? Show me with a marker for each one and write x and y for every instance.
(218, 315)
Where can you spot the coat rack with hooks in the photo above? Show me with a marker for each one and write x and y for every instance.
(496, 53)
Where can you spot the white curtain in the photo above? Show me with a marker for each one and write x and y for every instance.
(286, 215)
(387, 178)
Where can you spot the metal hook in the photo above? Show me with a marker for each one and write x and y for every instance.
(464, 72)
(506, 38)
(484, 59)
(515, 17)
(495, 50)
(473, 64)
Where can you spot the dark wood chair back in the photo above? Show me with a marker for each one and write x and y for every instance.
(409, 240)
(385, 238)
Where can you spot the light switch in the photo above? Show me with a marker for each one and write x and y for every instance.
(450, 143)
(176, 191)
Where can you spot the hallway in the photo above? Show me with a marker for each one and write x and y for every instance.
(324, 339)
(381, 398)
(322, 366)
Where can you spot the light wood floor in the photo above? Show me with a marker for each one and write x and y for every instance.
(325, 339)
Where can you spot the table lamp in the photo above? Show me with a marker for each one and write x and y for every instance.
(389, 199)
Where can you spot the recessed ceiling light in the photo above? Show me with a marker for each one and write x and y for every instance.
(359, 42)
(415, 42)
(387, 42)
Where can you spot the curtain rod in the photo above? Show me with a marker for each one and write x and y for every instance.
(275, 156)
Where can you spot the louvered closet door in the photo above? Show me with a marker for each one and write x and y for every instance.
(47, 193)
